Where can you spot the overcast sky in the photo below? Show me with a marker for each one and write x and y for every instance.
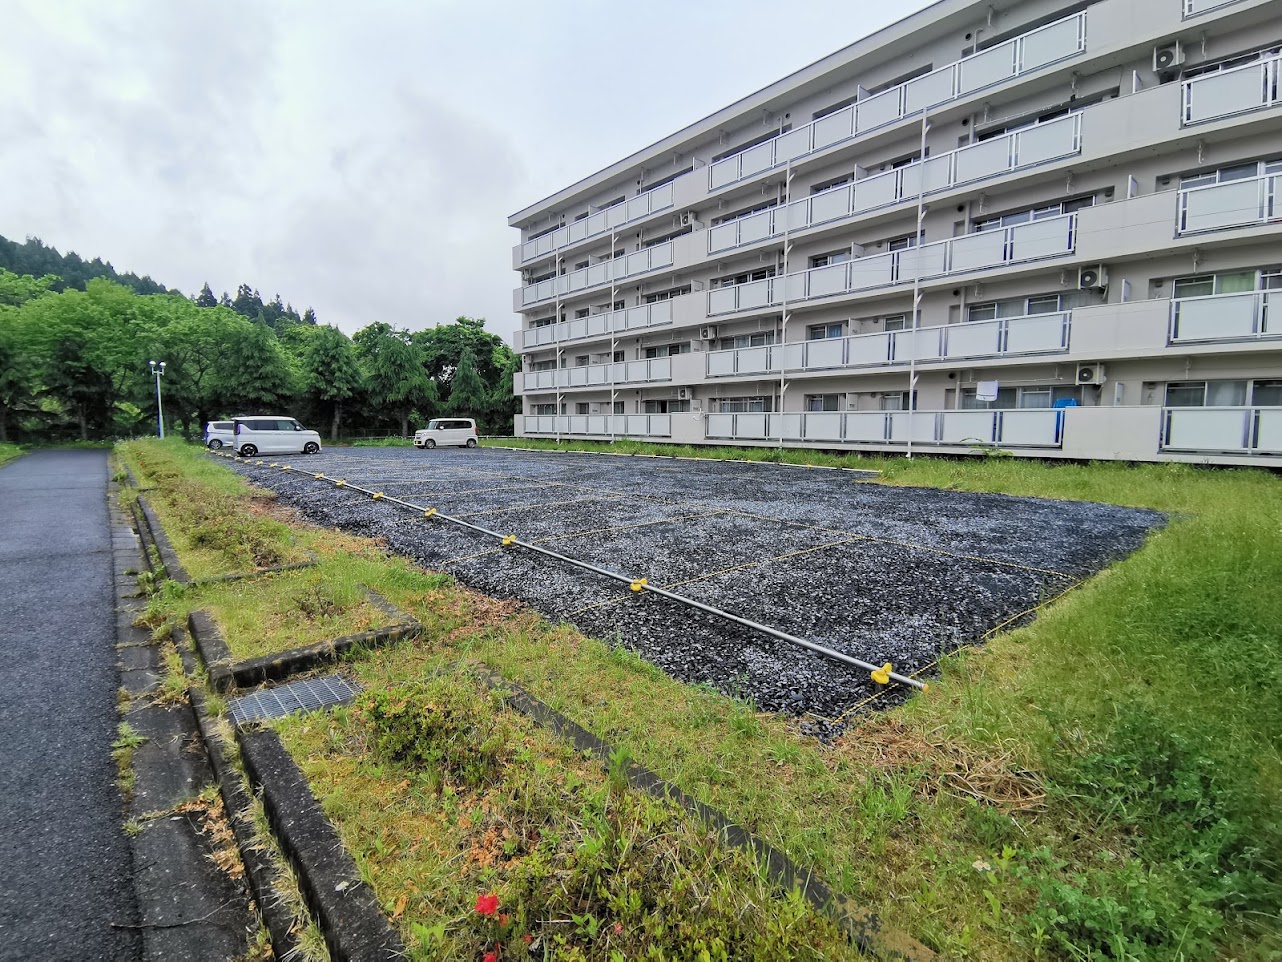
(360, 158)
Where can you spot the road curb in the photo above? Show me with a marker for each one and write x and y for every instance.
(353, 922)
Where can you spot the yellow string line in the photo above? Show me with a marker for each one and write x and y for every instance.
(717, 574)
(985, 637)
(577, 534)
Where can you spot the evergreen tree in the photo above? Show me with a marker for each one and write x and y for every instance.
(206, 297)
(330, 372)
(394, 374)
(309, 316)
(467, 390)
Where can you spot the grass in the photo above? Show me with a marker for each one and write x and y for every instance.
(8, 452)
(445, 797)
(128, 740)
(1104, 783)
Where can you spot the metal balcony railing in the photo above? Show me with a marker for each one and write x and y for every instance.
(602, 222)
(606, 425)
(1252, 86)
(1228, 430)
(1234, 203)
(598, 325)
(1250, 315)
(1037, 428)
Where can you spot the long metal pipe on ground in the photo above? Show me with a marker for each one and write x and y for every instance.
(880, 673)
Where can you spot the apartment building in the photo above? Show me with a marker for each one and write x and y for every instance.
(1052, 229)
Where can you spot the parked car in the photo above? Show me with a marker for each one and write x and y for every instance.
(442, 431)
(270, 434)
(218, 434)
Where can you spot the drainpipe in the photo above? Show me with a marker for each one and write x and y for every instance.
(783, 323)
(917, 244)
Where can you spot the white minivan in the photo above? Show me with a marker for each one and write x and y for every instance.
(269, 434)
(442, 431)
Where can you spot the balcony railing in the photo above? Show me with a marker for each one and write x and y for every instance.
(1194, 7)
(598, 325)
(1058, 138)
(639, 262)
(1236, 430)
(1041, 428)
(597, 375)
(1004, 337)
(616, 425)
(1234, 203)
(1051, 237)
(1019, 55)
(1223, 317)
(1252, 86)
(602, 222)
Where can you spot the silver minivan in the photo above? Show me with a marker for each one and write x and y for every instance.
(443, 431)
(219, 434)
(269, 434)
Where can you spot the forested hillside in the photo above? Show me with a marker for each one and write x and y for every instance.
(73, 364)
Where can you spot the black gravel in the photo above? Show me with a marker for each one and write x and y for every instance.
(881, 573)
(66, 889)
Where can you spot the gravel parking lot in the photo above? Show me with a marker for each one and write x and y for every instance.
(881, 573)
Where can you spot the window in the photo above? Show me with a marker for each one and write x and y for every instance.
(1046, 304)
(833, 184)
(746, 405)
(668, 350)
(901, 243)
(1034, 213)
(1236, 172)
(617, 407)
(581, 312)
(896, 401)
(823, 402)
(543, 365)
(827, 260)
(582, 360)
(1196, 394)
(982, 312)
(746, 212)
(746, 277)
(1034, 396)
(820, 332)
(896, 322)
(665, 407)
(618, 357)
(543, 322)
(543, 408)
(1231, 62)
(581, 265)
(1267, 394)
(580, 407)
(665, 295)
(759, 339)
(1229, 282)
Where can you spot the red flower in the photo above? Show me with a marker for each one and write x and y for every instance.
(527, 938)
(489, 957)
(487, 904)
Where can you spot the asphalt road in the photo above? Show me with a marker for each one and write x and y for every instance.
(66, 875)
(885, 574)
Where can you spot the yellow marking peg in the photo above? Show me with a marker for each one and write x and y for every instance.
(429, 512)
(284, 467)
(882, 675)
(639, 583)
(376, 495)
(339, 483)
(509, 540)
(273, 465)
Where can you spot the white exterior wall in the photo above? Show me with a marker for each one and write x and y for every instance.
(662, 221)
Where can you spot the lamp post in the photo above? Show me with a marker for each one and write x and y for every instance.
(158, 371)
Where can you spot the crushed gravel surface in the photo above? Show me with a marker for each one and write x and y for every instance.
(881, 573)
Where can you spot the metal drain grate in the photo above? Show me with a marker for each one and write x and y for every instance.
(306, 695)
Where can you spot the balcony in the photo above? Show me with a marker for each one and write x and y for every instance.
(1041, 428)
(1042, 144)
(645, 371)
(1249, 316)
(597, 325)
(1235, 203)
(599, 425)
(1238, 430)
(1052, 237)
(1013, 58)
(638, 262)
(1252, 86)
(602, 222)
(1033, 334)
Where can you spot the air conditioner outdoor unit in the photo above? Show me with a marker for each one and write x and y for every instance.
(683, 394)
(1092, 278)
(1167, 58)
(1090, 374)
(708, 333)
(686, 218)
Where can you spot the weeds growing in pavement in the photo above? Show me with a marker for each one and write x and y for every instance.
(128, 740)
(1104, 782)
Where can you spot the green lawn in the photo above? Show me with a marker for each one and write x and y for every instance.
(8, 452)
(1104, 783)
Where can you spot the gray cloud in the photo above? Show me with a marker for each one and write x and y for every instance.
(358, 158)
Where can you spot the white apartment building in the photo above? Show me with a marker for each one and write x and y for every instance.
(1053, 229)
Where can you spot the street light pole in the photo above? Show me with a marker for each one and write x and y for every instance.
(158, 371)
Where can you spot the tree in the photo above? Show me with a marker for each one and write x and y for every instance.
(309, 316)
(393, 370)
(255, 372)
(206, 297)
(330, 372)
(442, 348)
(467, 390)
